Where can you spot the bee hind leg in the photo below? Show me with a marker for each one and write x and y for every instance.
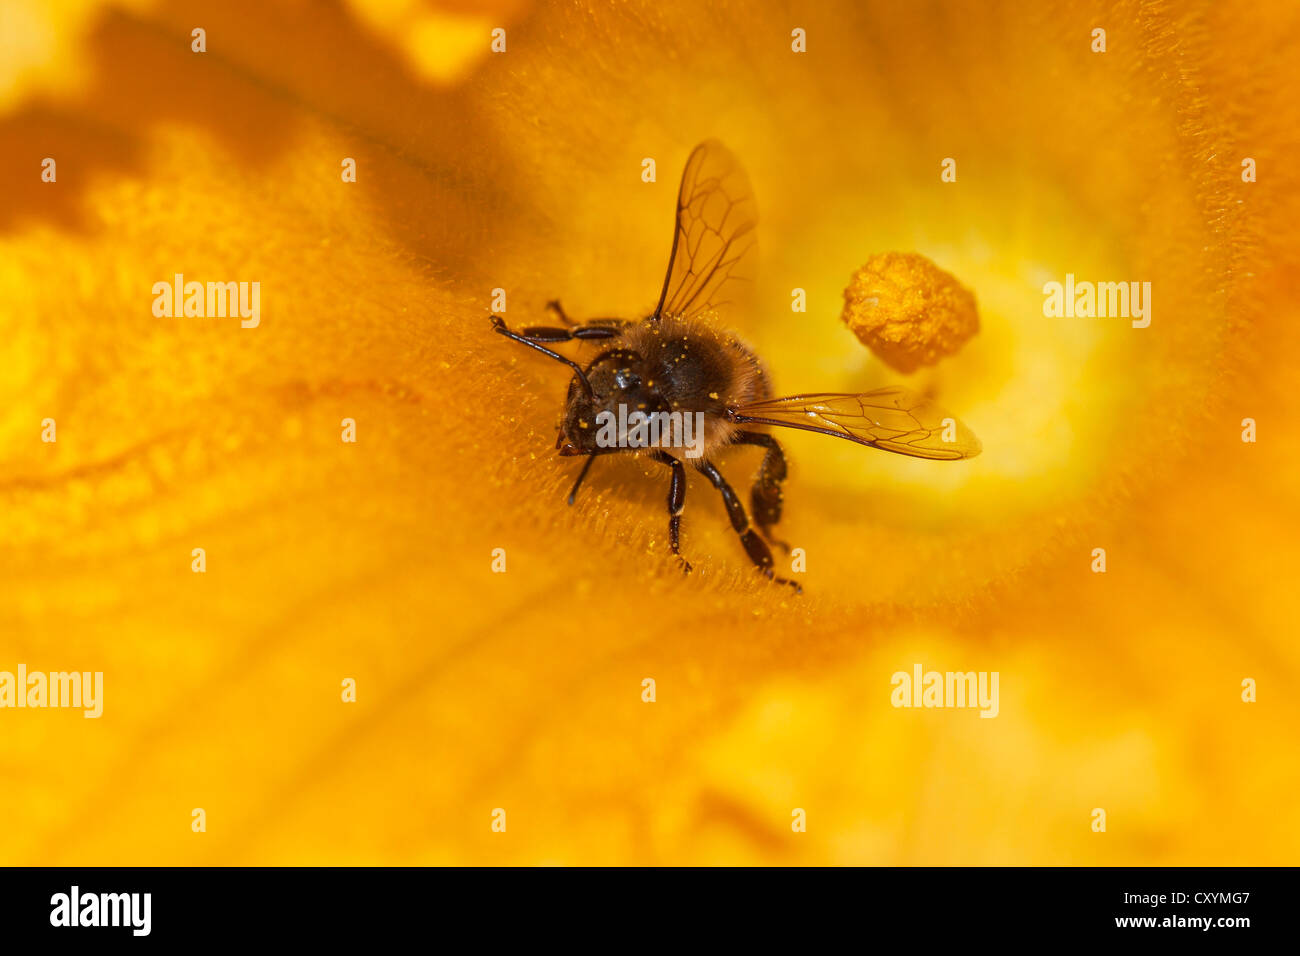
(767, 497)
(755, 546)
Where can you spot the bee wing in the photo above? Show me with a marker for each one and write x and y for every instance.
(891, 419)
(714, 241)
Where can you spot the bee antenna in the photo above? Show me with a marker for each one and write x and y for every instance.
(499, 325)
(582, 379)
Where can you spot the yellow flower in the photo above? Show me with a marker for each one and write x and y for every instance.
(329, 561)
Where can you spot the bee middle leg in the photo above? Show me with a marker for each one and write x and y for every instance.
(586, 332)
(766, 497)
(554, 306)
(676, 502)
(589, 331)
(755, 546)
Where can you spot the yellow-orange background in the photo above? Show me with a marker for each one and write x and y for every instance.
(523, 690)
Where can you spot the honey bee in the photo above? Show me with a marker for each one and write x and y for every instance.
(678, 361)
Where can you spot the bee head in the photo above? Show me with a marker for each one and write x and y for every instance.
(619, 385)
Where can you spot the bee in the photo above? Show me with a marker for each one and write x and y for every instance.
(679, 360)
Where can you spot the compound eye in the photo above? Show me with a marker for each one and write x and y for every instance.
(625, 378)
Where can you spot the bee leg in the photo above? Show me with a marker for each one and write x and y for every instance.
(581, 475)
(755, 546)
(535, 334)
(554, 306)
(544, 333)
(766, 497)
(676, 501)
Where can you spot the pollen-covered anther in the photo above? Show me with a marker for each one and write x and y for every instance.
(908, 311)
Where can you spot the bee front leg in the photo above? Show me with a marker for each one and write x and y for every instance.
(573, 494)
(676, 502)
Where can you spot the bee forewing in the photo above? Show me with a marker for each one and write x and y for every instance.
(891, 419)
(714, 247)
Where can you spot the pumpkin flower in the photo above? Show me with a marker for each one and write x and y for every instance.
(324, 564)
